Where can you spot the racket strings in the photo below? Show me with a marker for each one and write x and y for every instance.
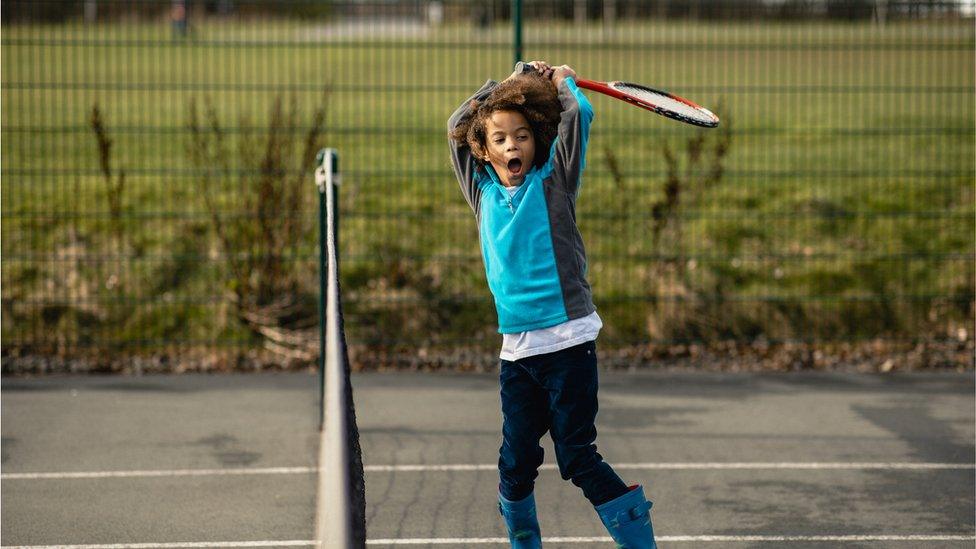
(664, 101)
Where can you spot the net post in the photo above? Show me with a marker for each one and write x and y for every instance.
(333, 524)
(326, 174)
(320, 181)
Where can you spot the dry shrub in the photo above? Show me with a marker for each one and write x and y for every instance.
(261, 223)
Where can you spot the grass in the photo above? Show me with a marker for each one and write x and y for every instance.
(845, 210)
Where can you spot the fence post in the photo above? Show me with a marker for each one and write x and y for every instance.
(517, 25)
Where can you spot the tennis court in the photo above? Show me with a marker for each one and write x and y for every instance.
(159, 218)
(746, 460)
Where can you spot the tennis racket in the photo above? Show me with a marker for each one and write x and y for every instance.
(658, 101)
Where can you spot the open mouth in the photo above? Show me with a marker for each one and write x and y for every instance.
(515, 166)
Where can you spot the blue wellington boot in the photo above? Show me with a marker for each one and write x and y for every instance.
(523, 526)
(628, 519)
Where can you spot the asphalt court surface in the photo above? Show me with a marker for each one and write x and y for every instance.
(730, 460)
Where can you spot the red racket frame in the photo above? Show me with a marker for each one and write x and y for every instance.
(606, 89)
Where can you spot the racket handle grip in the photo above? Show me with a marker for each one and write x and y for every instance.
(523, 68)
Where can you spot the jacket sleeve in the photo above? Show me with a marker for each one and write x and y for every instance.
(569, 149)
(464, 163)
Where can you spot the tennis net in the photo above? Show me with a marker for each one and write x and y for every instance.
(341, 503)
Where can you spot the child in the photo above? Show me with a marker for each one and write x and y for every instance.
(518, 150)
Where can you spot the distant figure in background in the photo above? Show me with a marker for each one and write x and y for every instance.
(519, 149)
(481, 17)
(178, 16)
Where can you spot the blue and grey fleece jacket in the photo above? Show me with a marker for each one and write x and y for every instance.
(532, 249)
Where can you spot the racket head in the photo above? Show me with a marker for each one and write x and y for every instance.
(663, 103)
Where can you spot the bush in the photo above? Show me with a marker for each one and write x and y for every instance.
(264, 238)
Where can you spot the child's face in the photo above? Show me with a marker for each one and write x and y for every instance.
(510, 146)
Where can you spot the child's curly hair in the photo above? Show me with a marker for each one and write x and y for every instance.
(531, 95)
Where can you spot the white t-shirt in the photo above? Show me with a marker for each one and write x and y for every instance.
(552, 339)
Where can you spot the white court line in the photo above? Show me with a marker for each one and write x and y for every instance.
(481, 467)
(726, 539)
(163, 473)
(714, 465)
(175, 545)
(504, 541)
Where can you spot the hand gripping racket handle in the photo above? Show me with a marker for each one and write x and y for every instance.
(524, 68)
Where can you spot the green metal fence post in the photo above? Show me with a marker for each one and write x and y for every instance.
(517, 24)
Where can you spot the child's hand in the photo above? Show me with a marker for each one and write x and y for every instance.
(558, 74)
(542, 67)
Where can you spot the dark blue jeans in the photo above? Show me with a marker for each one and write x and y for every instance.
(554, 392)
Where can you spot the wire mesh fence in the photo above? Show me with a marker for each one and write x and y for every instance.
(158, 209)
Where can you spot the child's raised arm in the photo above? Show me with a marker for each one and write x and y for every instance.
(461, 158)
(569, 157)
